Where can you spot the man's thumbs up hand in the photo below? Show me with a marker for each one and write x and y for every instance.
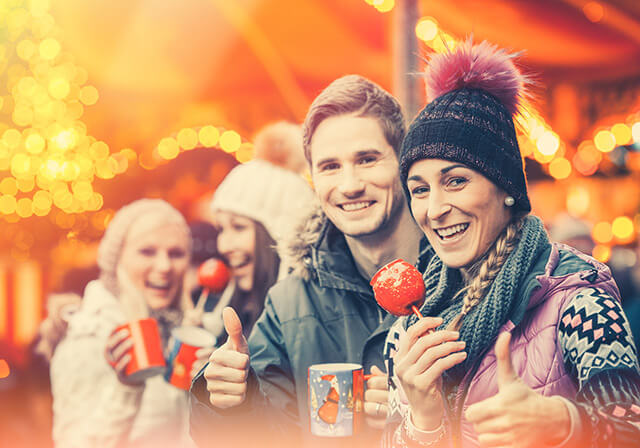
(517, 416)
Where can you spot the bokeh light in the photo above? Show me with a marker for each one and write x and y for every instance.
(230, 141)
(605, 141)
(622, 133)
(601, 253)
(635, 132)
(622, 228)
(426, 29)
(187, 138)
(578, 201)
(602, 233)
(5, 371)
(548, 143)
(560, 168)
(168, 148)
(209, 136)
(593, 11)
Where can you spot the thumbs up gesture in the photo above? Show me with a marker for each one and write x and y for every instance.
(517, 416)
(228, 367)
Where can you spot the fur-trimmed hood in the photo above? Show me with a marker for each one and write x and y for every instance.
(295, 249)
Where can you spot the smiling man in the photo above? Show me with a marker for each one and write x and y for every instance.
(325, 311)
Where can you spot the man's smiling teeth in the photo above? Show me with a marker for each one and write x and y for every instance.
(356, 206)
(447, 232)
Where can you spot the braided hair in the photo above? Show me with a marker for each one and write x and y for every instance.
(483, 272)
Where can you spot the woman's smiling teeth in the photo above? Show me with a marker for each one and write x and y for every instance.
(451, 231)
(158, 284)
(351, 207)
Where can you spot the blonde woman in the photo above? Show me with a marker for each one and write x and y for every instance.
(142, 258)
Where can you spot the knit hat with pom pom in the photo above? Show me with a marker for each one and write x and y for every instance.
(268, 189)
(474, 92)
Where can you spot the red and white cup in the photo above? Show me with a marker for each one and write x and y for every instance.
(147, 358)
(185, 342)
(336, 399)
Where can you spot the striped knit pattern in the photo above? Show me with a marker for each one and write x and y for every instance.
(482, 324)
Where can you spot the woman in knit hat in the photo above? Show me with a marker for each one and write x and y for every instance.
(253, 208)
(142, 259)
(523, 342)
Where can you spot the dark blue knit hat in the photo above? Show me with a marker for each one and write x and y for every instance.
(475, 91)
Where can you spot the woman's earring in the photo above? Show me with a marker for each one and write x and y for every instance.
(509, 201)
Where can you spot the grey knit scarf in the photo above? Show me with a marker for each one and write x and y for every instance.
(481, 325)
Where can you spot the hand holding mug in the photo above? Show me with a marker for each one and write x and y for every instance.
(376, 399)
(228, 367)
(117, 355)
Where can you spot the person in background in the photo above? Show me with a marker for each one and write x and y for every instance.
(251, 210)
(523, 342)
(573, 232)
(325, 311)
(143, 258)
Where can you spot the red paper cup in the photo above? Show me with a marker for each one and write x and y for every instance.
(185, 342)
(147, 359)
(336, 399)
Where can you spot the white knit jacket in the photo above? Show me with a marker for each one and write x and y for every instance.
(91, 407)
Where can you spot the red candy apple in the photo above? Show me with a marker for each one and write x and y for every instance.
(399, 288)
(214, 275)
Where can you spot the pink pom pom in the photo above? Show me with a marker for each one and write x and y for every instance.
(482, 66)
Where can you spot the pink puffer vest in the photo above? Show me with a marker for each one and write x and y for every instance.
(536, 354)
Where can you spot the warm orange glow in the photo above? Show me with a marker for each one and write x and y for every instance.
(4, 369)
(8, 186)
(426, 29)
(602, 233)
(593, 11)
(7, 204)
(244, 153)
(622, 133)
(4, 304)
(27, 292)
(622, 228)
(578, 201)
(560, 168)
(601, 253)
(605, 141)
(586, 159)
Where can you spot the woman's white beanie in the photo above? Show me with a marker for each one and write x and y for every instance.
(114, 237)
(265, 193)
